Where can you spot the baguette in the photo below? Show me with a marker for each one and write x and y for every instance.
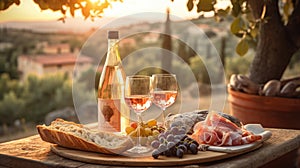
(76, 136)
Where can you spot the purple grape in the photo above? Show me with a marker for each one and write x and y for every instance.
(179, 153)
(184, 136)
(183, 147)
(170, 138)
(178, 137)
(155, 144)
(186, 144)
(170, 145)
(161, 139)
(162, 147)
(196, 143)
(176, 140)
(167, 133)
(193, 148)
(174, 130)
(168, 153)
(161, 135)
(181, 131)
(155, 153)
(175, 124)
(173, 150)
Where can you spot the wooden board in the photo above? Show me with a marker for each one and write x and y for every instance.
(146, 160)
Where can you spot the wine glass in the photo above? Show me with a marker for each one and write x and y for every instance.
(138, 98)
(164, 91)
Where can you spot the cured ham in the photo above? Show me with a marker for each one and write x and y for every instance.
(217, 130)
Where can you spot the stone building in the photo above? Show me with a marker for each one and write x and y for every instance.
(55, 59)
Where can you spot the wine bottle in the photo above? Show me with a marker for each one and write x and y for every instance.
(113, 114)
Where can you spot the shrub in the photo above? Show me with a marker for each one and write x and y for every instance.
(11, 108)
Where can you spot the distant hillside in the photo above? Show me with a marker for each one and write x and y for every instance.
(74, 25)
(71, 25)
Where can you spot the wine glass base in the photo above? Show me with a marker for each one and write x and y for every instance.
(139, 149)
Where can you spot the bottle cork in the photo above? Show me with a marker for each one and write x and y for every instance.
(113, 34)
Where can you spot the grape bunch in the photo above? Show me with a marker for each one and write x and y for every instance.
(174, 142)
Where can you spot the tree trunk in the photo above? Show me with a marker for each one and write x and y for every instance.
(275, 47)
(167, 45)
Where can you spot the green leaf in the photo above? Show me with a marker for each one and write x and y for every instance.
(43, 5)
(250, 17)
(242, 47)
(63, 11)
(236, 25)
(72, 9)
(288, 7)
(254, 32)
(205, 5)
(252, 43)
(228, 9)
(86, 10)
(222, 12)
(54, 5)
(190, 5)
(217, 18)
(2, 5)
(5, 4)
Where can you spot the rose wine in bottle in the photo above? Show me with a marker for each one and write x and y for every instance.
(113, 114)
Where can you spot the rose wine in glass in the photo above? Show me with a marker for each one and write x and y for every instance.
(138, 98)
(139, 103)
(164, 91)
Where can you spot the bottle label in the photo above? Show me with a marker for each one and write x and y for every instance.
(109, 115)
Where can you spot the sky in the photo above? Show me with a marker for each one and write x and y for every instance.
(29, 11)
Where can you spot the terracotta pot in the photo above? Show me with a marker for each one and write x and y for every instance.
(275, 112)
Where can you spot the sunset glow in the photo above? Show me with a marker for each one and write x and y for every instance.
(94, 1)
(29, 11)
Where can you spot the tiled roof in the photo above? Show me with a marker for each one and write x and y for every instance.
(55, 46)
(58, 59)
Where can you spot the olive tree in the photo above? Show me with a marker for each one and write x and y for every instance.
(271, 27)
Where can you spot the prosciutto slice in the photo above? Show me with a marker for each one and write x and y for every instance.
(219, 131)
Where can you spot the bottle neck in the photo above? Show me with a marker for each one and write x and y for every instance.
(113, 56)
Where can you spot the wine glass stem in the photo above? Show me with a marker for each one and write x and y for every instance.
(163, 116)
(139, 129)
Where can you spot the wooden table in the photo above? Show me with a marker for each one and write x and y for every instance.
(279, 151)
